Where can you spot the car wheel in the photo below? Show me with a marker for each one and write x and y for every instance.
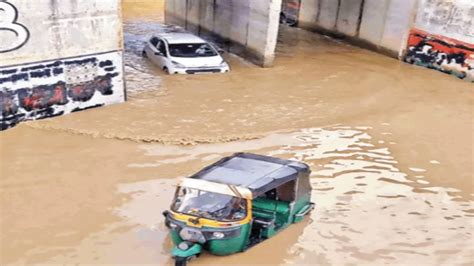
(144, 53)
(167, 71)
(282, 18)
(179, 261)
(292, 23)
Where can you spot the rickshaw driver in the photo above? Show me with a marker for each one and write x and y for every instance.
(210, 205)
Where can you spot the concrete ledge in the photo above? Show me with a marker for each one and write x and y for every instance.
(352, 40)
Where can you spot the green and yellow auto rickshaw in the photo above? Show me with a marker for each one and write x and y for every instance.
(237, 203)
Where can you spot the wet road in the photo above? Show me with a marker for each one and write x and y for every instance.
(390, 145)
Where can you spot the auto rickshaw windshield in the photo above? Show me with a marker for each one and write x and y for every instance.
(209, 205)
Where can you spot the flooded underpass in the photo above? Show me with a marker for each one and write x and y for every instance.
(390, 146)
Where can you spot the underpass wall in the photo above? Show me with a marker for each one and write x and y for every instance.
(380, 25)
(443, 37)
(433, 33)
(58, 57)
(248, 28)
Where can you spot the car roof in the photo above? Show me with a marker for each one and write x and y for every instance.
(258, 173)
(174, 38)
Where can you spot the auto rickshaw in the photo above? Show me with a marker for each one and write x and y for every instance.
(237, 203)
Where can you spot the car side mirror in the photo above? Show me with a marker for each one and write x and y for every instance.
(159, 53)
(221, 51)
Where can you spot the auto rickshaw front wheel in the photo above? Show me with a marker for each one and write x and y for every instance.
(181, 261)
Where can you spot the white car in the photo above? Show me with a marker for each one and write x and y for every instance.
(184, 53)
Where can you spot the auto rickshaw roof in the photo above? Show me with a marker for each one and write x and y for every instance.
(258, 173)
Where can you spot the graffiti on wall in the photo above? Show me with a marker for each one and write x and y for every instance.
(445, 54)
(15, 34)
(451, 18)
(53, 88)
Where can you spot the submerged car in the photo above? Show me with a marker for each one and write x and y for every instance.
(237, 203)
(184, 53)
(290, 10)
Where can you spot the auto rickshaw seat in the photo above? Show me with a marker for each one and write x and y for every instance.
(271, 205)
(268, 208)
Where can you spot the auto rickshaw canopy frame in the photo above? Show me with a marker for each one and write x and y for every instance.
(248, 176)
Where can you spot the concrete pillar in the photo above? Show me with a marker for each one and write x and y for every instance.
(248, 27)
(348, 18)
(373, 21)
(263, 30)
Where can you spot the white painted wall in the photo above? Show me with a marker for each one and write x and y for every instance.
(62, 28)
(449, 18)
(398, 22)
(263, 29)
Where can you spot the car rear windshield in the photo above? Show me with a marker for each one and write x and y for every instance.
(191, 50)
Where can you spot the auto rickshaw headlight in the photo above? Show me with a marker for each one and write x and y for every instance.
(218, 235)
(193, 235)
(183, 246)
(173, 226)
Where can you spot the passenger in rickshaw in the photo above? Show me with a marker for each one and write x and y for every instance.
(272, 208)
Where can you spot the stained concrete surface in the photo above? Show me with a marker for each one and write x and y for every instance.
(390, 146)
(248, 28)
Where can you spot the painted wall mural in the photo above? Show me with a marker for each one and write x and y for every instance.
(16, 34)
(444, 54)
(53, 88)
(443, 37)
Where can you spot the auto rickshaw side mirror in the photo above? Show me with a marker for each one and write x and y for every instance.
(165, 213)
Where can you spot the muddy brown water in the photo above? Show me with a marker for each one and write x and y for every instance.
(390, 145)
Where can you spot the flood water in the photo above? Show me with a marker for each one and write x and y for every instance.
(390, 146)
